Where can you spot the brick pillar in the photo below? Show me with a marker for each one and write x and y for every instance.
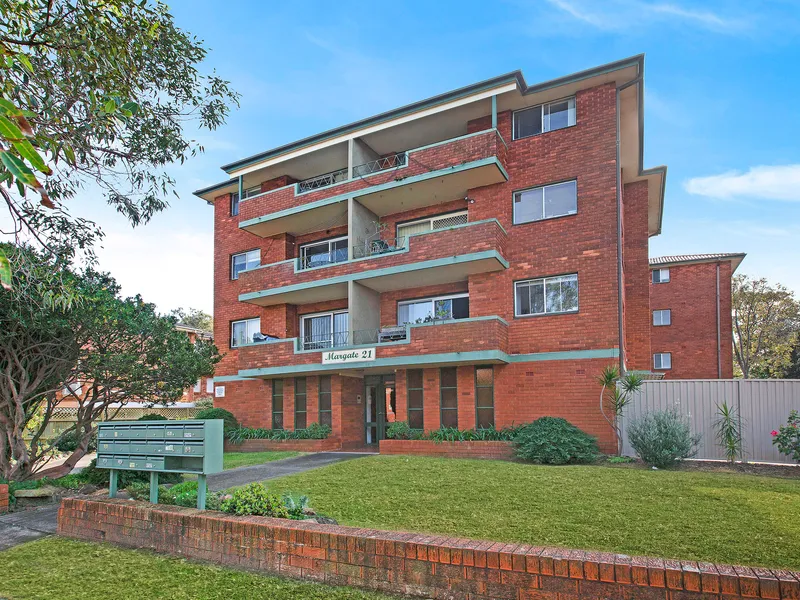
(430, 400)
(466, 397)
(312, 400)
(401, 395)
(3, 498)
(336, 406)
(288, 404)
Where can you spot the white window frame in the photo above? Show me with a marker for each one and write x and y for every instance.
(544, 281)
(430, 220)
(250, 339)
(432, 300)
(573, 113)
(658, 317)
(76, 388)
(304, 247)
(330, 314)
(658, 361)
(661, 273)
(544, 188)
(197, 387)
(210, 385)
(247, 260)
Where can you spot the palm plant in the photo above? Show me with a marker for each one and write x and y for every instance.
(616, 393)
(728, 426)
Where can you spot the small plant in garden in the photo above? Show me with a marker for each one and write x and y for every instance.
(619, 460)
(296, 505)
(255, 499)
(152, 417)
(729, 431)
(400, 430)
(554, 441)
(100, 477)
(204, 403)
(663, 438)
(787, 438)
(616, 393)
(229, 421)
(315, 431)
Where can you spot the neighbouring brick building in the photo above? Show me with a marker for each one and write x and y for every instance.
(468, 260)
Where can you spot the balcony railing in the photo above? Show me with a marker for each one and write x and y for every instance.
(320, 260)
(321, 181)
(392, 161)
(353, 338)
(378, 247)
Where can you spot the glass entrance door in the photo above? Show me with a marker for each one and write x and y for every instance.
(379, 394)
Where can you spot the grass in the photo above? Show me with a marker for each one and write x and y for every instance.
(232, 460)
(718, 517)
(59, 569)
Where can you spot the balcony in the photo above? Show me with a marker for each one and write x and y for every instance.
(440, 256)
(437, 343)
(398, 182)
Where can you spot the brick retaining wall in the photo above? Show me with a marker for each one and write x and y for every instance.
(3, 498)
(413, 564)
(326, 445)
(495, 450)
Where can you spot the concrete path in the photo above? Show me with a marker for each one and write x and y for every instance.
(278, 468)
(27, 525)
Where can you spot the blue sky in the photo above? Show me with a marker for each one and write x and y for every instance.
(721, 102)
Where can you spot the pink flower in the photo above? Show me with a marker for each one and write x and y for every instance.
(773, 433)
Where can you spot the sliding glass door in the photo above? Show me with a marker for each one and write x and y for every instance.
(327, 330)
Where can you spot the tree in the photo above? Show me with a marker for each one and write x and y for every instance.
(194, 317)
(111, 350)
(95, 94)
(616, 393)
(765, 321)
(793, 370)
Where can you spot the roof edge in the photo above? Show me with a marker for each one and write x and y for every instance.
(735, 258)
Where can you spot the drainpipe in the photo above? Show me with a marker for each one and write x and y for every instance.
(620, 291)
(719, 332)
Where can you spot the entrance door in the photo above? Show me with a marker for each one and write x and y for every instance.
(379, 394)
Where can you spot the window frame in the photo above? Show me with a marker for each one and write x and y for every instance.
(660, 271)
(209, 385)
(661, 311)
(477, 406)
(327, 241)
(421, 390)
(452, 213)
(272, 400)
(432, 300)
(245, 253)
(232, 339)
(442, 408)
(544, 279)
(543, 188)
(327, 313)
(303, 412)
(236, 201)
(662, 354)
(324, 411)
(541, 106)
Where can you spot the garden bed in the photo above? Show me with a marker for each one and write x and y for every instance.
(325, 445)
(472, 449)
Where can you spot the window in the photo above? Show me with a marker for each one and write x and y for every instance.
(210, 385)
(548, 295)
(325, 414)
(244, 260)
(544, 118)
(406, 230)
(546, 202)
(662, 317)
(484, 397)
(448, 396)
(433, 309)
(76, 388)
(325, 330)
(323, 253)
(662, 360)
(197, 387)
(242, 332)
(660, 275)
(300, 403)
(277, 403)
(415, 391)
(248, 193)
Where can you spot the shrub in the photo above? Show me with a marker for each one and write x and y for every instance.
(787, 438)
(255, 499)
(315, 431)
(554, 441)
(69, 443)
(152, 417)
(204, 403)
(100, 477)
(662, 438)
(400, 430)
(729, 431)
(296, 505)
(229, 421)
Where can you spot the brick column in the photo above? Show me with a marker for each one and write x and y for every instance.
(401, 395)
(312, 400)
(430, 400)
(3, 498)
(288, 404)
(466, 397)
(336, 406)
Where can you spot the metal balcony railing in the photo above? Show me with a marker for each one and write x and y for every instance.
(355, 338)
(321, 181)
(392, 161)
(376, 247)
(320, 260)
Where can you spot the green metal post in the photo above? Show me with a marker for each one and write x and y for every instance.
(154, 487)
(201, 491)
(494, 112)
(112, 484)
(241, 187)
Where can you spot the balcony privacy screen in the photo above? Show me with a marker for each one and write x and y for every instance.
(442, 222)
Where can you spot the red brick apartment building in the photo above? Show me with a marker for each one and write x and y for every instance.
(472, 259)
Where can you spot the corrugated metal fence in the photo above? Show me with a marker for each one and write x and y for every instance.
(762, 404)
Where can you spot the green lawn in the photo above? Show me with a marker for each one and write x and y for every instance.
(59, 569)
(232, 460)
(728, 518)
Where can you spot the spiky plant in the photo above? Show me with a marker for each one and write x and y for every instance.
(728, 429)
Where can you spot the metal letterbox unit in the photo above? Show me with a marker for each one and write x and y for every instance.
(159, 447)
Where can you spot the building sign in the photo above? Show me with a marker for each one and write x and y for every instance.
(348, 356)
(219, 391)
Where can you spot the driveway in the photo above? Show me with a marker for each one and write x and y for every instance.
(27, 525)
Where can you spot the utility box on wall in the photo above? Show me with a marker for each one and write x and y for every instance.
(161, 446)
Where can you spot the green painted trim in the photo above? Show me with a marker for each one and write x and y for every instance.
(226, 378)
(492, 160)
(494, 111)
(410, 267)
(214, 187)
(241, 188)
(565, 355)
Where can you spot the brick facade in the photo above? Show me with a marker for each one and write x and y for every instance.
(421, 565)
(4, 500)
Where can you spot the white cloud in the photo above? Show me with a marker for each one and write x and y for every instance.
(765, 182)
